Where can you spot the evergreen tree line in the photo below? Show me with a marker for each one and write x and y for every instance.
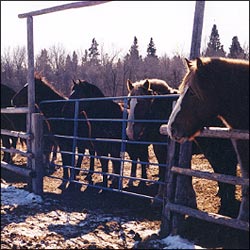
(109, 73)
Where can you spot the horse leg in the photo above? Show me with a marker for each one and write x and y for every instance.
(133, 171)
(144, 157)
(161, 155)
(6, 143)
(91, 166)
(14, 141)
(104, 164)
(222, 157)
(50, 146)
(116, 170)
(66, 161)
(242, 150)
(133, 157)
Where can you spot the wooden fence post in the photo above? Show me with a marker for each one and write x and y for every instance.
(169, 191)
(37, 149)
(184, 193)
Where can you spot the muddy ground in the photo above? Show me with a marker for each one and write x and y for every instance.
(94, 219)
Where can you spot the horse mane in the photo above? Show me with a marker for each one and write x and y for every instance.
(208, 68)
(158, 86)
(42, 79)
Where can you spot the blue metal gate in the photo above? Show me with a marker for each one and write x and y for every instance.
(125, 162)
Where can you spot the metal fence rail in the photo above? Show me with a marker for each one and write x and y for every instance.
(122, 140)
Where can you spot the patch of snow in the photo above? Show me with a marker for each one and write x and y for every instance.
(11, 195)
(176, 242)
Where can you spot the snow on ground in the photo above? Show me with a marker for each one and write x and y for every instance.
(12, 196)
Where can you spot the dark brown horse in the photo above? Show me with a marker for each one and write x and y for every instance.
(219, 152)
(16, 122)
(215, 88)
(109, 111)
(58, 124)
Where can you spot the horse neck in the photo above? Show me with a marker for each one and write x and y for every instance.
(233, 97)
(53, 108)
(102, 109)
(6, 94)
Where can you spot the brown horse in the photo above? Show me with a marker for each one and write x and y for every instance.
(215, 87)
(146, 105)
(16, 122)
(106, 108)
(59, 125)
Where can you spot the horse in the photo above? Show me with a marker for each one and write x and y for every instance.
(58, 125)
(16, 122)
(211, 88)
(106, 109)
(219, 152)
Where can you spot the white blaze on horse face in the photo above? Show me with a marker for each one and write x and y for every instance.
(175, 111)
(131, 116)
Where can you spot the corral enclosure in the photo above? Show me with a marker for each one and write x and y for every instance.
(205, 190)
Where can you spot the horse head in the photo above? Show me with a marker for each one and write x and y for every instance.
(144, 105)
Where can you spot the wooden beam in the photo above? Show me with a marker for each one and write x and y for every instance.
(210, 217)
(16, 151)
(61, 7)
(217, 132)
(234, 180)
(19, 134)
(13, 110)
(26, 172)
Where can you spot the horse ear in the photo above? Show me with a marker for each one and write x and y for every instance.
(129, 85)
(189, 63)
(146, 85)
(74, 81)
(199, 63)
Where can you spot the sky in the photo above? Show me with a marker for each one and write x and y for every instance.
(115, 24)
(13, 197)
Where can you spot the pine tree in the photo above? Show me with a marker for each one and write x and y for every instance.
(42, 63)
(151, 62)
(74, 62)
(151, 50)
(134, 52)
(93, 52)
(214, 47)
(235, 49)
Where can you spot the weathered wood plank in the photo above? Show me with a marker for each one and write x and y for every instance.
(13, 110)
(210, 217)
(37, 149)
(19, 134)
(217, 132)
(212, 176)
(26, 172)
(61, 7)
(17, 151)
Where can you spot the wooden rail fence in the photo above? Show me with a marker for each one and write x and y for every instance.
(180, 199)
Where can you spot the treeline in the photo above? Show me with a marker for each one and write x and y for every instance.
(109, 73)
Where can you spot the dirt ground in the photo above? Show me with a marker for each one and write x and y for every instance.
(92, 219)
